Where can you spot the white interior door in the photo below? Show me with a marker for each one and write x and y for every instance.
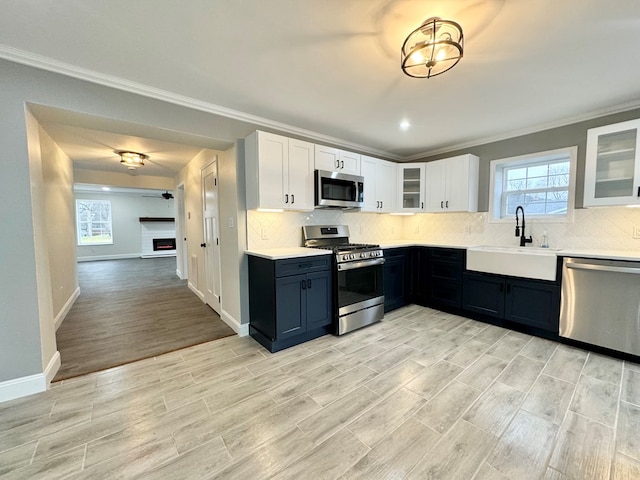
(211, 235)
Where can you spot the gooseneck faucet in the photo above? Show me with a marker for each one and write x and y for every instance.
(520, 233)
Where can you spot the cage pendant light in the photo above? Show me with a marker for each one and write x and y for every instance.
(433, 48)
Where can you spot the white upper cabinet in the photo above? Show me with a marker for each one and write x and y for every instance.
(379, 185)
(411, 187)
(279, 172)
(336, 160)
(452, 184)
(612, 165)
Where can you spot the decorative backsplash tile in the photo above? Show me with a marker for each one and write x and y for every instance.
(609, 228)
(273, 230)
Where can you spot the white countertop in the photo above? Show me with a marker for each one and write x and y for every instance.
(287, 252)
(293, 252)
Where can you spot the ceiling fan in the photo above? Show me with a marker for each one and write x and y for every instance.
(166, 195)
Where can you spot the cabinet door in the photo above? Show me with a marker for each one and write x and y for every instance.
(273, 160)
(318, 302)
(290, 306)
(349, 162)
(300, 178)
(612, 166)
(327, 158)
(368, 169)
(411, 187)
(386, 186)
(483, 294)
(533, 303)
(436, 186)
(394, 282)
(462, 184)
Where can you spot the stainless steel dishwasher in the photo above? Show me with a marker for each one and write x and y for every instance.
(601, 303)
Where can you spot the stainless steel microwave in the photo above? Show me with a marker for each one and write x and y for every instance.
(338, 190)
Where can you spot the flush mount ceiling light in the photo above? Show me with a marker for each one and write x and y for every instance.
(433, 48)
(131, 160)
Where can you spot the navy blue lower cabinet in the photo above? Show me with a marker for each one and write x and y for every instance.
(483, 294)
(318, 300)
(395, 278)
(290, 307)
(534, 303)
(290, 301)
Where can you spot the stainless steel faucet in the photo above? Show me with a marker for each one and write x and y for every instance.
(520, 233)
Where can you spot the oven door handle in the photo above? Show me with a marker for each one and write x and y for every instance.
(364, 263)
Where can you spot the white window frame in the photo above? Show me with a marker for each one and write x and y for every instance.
(496, 175)
(79, 230)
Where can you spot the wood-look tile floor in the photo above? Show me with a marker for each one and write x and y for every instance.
(132, 309)
(421, 395)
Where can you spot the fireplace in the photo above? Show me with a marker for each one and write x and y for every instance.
(160, 244)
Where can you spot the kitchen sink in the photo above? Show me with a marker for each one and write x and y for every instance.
(526, 262)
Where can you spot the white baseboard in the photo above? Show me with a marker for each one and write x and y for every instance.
(52, 368)
(24, 386)
(241, 329)
(62, 314)
(108, 257)
(179, 274)
(196, 291)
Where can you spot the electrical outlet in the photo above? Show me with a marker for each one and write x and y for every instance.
(266, 233)
(636, 231)
(416, 230)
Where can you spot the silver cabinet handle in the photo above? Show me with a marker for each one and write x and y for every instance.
(365, 263)
(342, 164)
(293, 199)
(447, 204)
(603, 268)
(441, 204)
(286, 198)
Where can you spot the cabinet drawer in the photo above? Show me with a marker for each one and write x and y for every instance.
(453, 255)
(446, 271)
(294, 266)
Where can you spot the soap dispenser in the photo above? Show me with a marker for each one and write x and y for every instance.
(545, 241)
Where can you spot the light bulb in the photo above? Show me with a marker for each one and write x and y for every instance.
(441, 55)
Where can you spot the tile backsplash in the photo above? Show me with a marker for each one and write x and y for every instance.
(273, 230)
(609, 228)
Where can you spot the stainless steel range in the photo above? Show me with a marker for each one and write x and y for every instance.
(358, 286)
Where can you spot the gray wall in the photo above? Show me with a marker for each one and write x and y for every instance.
(20, 343)
(566, 136)
(57, 178)
(126, 210)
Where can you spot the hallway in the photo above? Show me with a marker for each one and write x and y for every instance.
(129, 310)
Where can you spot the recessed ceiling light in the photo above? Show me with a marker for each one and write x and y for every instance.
(404, 125)
(106, 189)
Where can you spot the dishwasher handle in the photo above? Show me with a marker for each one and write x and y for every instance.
(603, 268)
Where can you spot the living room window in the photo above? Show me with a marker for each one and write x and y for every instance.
(543, 183)
(93, 222)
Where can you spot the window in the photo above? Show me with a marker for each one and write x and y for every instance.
(93, 222)
(543, 183)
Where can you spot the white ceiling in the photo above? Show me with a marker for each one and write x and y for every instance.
(332, 66)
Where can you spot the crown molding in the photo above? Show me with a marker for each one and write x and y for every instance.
(583, 117)
(46, 63)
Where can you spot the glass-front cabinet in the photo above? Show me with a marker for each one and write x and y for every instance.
(412, 187)
(612, 166)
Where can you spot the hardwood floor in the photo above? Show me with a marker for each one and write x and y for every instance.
(420, 395)
(129, 310)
